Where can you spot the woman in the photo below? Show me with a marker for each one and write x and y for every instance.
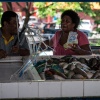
(69, 23)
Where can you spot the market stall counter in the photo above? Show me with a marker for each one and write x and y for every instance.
(20, 78)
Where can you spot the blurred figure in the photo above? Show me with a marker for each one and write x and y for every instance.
(9, 34)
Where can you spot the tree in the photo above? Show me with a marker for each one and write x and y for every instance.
(25, 9)
(96, 8)
(49, 8)
(1, 11)
(9, 6)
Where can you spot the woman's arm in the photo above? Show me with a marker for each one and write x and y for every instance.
(82, 50)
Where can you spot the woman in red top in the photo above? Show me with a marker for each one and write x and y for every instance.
(69, 23)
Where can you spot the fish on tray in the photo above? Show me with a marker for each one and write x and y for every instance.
(69, 67)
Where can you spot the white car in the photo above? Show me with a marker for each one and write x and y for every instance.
(31, 22)
(86, 25)
(87, 32)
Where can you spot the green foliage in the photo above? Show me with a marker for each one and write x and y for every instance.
(97, 17)
(87, 9)
(49, 8)
(97, 21)
(95, 44)
(58, 21)
(43, 10)
(1, 11)
(98, 30)
(98, 43)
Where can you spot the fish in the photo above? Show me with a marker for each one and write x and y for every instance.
(66, 72)
(50, 61)
(73, 59)
(83, 66)
(89, 74)
(63, 65)
(55, 60)
(54, 72)
(57, 68)
(66, 58)
(96, 75)
(77, 76)
(57, 77)
(96, 66)
(83, 61)
(48, 75)
(70, 74)
(70, 66)
(78, 70)
(92, 62)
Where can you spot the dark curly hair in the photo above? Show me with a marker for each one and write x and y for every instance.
(7, 15)
(73, 15)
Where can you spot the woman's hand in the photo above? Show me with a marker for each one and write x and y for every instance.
(83, 50)
(75, 47)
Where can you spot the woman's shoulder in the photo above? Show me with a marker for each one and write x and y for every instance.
(58, 32)
(80, 33)
(82, 38)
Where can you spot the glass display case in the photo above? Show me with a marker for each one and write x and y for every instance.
(19, 78)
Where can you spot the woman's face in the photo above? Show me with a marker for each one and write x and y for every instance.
(66, 24)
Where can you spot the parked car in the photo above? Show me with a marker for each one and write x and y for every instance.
(31, 22)
(51, 28)
(86, 25)
(87, 32)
